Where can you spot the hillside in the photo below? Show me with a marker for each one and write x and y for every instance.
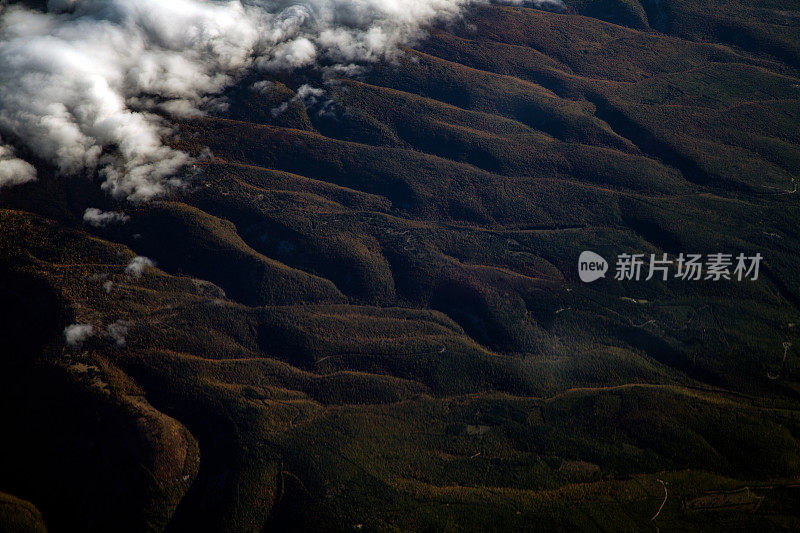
(363, 308)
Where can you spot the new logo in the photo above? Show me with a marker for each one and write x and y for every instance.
(591, 267)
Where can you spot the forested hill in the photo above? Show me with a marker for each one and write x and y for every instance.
(362, 309)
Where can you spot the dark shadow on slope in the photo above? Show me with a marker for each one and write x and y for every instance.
(649, 144)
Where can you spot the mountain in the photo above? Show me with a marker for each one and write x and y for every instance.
(362, 307)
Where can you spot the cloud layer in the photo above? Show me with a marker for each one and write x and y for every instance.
(75, 334)
(117, 331)
(84, 86)
(138, 265)
(100, 219)
(13, 170)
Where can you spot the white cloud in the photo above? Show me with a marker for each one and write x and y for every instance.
(75, 334)
(308, 95)
(14, 171)
(100, 219)
(556, 5)
(138, 265)
(117, 331)
(81, 85)
(263, 87)
(293, 54)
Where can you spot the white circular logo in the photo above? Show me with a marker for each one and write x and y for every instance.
(591, 267)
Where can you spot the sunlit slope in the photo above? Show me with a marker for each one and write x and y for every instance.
(368, 315)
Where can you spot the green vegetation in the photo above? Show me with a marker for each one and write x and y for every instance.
(370, 318)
